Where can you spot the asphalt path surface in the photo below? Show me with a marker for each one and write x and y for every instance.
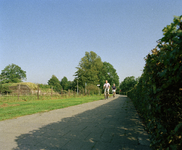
(111, 124)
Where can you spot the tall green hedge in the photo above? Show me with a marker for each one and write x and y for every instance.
(158, 95)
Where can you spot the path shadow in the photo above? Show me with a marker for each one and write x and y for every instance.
(112, 126)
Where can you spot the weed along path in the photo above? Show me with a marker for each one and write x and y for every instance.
(111, 124)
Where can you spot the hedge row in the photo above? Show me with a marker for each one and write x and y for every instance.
(158, 95)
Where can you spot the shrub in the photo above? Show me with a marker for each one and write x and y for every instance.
(93, 89)
(4, 89)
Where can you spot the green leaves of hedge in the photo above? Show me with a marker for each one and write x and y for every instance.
(159, 87)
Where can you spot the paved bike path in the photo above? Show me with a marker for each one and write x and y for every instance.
(111, 124)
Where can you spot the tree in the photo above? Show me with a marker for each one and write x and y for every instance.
(71, 85)
(138, 79)
(128, 84)
(89, 69)
(12, 74)
(64, 83)
(55, 83)
(109, 73)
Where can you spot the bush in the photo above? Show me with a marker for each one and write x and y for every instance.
(4, 90)
(44, 86)
(93, 89)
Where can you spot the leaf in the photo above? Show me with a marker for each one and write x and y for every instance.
(178, 127)
(173, 147)
(162, 74)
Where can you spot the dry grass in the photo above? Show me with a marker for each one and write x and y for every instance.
(32, 86)
(7, 105)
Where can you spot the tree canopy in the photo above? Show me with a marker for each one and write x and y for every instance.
(65, 83)
(12, 74)
(88, 69)
(55, 83)
(128, 84)
(93, 71)
(110, 74)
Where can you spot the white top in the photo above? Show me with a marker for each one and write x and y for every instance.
(106, 85)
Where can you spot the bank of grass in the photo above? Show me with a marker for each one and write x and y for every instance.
(32, 86)
(13, 109)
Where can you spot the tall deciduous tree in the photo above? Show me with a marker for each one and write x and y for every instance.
(89, 69)
(109, 73)
(55, 83)
(12, 74)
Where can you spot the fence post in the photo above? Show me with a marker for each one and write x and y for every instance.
(51, 92)
(69, 93)
(62, 92)
(18, 91)
(38, 93)
(75, 93)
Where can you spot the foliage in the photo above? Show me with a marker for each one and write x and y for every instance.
(93, 71)
(4, 89)
(88, 69)
(12, 74)
(71, 85)
(127, 84)
(158, 95)
(32, 86)
(93, 89)
(64, 83)
(54, 82)
(68, 85)
(109, 73)
(44, 86)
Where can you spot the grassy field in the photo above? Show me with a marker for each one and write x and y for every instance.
(16, 108)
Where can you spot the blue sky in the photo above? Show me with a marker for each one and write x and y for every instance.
(49, 37)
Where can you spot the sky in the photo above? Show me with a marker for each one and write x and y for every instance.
(49, 37)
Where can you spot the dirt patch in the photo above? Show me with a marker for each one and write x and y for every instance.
(6, 105)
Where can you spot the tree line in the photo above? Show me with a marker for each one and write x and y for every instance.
(91, 73)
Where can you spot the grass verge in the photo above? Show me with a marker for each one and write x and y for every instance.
(13, 109)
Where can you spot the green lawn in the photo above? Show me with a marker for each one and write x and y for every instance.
(12, 109)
